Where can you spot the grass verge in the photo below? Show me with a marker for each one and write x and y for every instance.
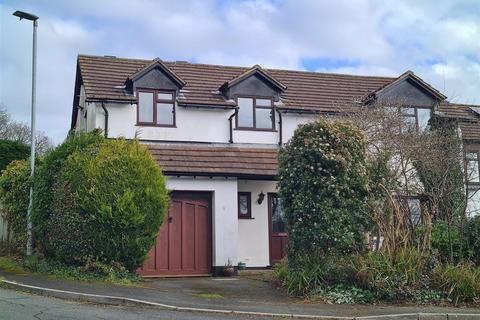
(57, 270)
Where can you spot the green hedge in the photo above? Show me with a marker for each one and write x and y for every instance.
(45, 178)
(323, 185)
(472, 240)
(108, 202)
(12, 150)
(14, 190)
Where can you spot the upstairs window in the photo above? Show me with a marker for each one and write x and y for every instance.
(473, 175)
(255, 113)
(416, 118)
(156, 108)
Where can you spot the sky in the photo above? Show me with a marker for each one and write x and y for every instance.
(438, 40)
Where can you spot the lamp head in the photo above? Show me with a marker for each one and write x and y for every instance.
(25, 15)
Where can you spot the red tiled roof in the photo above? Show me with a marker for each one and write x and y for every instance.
(104, 76)
(215, 160)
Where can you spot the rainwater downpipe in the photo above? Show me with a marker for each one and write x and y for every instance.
(106, 120)
(231, 124)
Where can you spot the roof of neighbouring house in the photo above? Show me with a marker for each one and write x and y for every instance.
(208, 160)
(467, 116)
(104, 77)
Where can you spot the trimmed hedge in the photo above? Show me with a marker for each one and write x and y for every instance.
(14, 190)
(108, 203)
(45, 178)
(323, 185)
(12, 150)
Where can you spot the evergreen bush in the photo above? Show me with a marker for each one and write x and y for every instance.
(108, 202)
(45, 176)
(323, 183)
(14, 191)
(12, 150)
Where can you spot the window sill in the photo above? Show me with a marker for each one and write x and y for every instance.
(155, 125)
(246, 218)
(255, 129)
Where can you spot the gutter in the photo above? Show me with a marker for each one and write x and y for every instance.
(280, 129)
(231, 124)
(106, 119)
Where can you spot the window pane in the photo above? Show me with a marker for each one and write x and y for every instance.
(164, 96)
(408, 111)
(410, 123)
(245, 112)
(165, 113)
(415, 210)
(243, 205)
(145, 107)
(423, 118)
(263, 102)
(278, 216)
(264, 119)
(472, 171)
(473, 204)
(472, 156)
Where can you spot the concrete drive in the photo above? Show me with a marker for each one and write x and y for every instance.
(242, 293)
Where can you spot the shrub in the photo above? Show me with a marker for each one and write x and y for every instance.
(393, 278)
(472, 240)
(311, 274)
(12, 150)
(323, 185)
(444, 244)
(91, 271)
(343, 294)
(14, 192)
(109, 200)
(45, 178)
(461, 282)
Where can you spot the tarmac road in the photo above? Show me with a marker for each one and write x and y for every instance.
(21, 306)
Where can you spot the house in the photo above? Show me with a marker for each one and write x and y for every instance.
(215, 131)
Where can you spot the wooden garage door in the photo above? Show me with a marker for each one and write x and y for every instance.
(184, 243)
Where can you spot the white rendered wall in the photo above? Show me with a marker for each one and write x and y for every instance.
(291, 121)
(92, 116)
(253, 237)
(194, 125)
(191, 124)
(224, 213)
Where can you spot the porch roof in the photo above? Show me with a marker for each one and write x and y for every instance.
(214, 160)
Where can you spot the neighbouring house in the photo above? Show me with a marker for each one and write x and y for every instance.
(215, 131)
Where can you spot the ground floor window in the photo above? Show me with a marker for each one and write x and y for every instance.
(244, 205)
(473, 202)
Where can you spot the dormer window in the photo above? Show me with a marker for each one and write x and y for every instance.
(155, 108)
(255, 113)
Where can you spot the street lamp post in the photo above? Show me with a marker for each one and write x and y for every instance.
(33, 18)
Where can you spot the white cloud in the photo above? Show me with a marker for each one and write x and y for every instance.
(438, 40)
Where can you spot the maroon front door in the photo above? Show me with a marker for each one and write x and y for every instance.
(277, 229)
(184, 243)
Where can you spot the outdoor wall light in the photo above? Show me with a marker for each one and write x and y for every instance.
(261, 196)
